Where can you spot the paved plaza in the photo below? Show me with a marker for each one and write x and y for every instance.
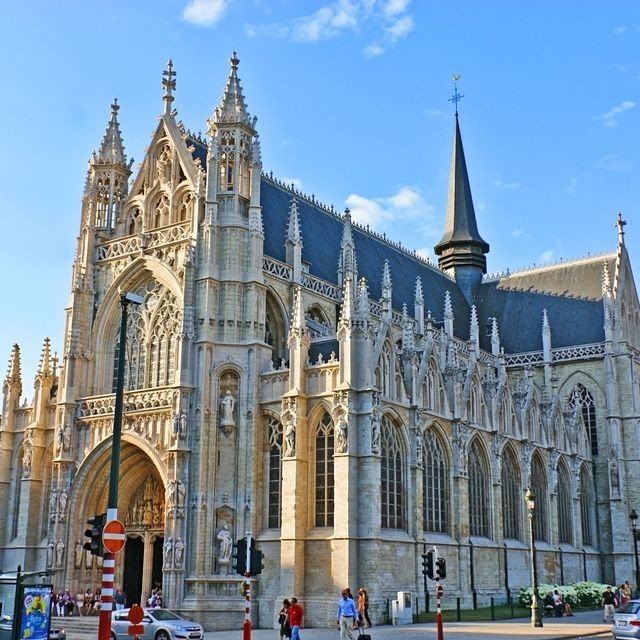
(582, 625)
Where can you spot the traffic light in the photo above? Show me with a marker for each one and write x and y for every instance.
(255, 561)
(94, 533)
(441, 563)
(239, 555)
(427, 564)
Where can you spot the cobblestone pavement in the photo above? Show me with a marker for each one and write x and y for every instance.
(582, 625)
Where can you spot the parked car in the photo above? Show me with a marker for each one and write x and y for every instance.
(626, 621)
(159, 624)
(6, 628)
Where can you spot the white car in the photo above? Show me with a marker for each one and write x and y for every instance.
(159, 624)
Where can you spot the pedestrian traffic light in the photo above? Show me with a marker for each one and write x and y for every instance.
(427, 564)
(239, 555)
(441, 564)
(94, 533)
(255, 562)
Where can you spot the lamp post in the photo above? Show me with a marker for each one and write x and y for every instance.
(633, 516)
(108, 569)
(536, 617)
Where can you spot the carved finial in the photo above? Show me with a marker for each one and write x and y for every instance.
(234, 61)
(620, 223)
(456, 97)
(169, 85)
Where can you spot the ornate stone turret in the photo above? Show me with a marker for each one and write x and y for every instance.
(418, 305)
(12, 388)
(298, 344)
(386, 293)
(461, 249)
(448, 315)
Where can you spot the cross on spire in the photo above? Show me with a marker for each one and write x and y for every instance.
(456, 97)
(169, 85)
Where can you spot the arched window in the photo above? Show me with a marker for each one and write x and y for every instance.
(134, 221)
(324, 472)
(435, 485)
(392, 475)
(185, 206)
(161, 211)
(152, 340)
(540, 491)
(565, 508)
(479, 497)
(275, 330)
(587, 503)
(274, 435)
(581, 397)
(511, 496)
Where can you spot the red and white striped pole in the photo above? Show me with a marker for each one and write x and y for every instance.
(246, 628)
(106, 592)
(439, 592)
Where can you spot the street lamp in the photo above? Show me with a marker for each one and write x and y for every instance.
(536, 617)
(106, 602)
(633, 516)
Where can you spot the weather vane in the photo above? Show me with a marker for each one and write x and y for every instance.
(457, 96)
(169, 85)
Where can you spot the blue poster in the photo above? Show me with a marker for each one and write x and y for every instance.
(35, 614)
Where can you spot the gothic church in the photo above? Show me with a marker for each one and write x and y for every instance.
(298, 376)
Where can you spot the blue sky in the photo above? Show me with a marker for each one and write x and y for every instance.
(352, 104)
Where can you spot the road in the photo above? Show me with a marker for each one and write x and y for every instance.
(582, 625)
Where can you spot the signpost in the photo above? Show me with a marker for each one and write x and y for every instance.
(135, 618)
(114, 536)
(439, 594)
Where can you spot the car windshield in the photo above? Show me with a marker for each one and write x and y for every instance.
(164, 614)
(630, 607)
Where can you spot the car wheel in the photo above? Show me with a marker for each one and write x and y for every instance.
(162, 635)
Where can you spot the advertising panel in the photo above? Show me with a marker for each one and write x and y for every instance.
(35, 614)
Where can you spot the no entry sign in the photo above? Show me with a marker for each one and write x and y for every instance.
(114, 535)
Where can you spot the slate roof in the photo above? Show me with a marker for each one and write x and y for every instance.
(321, 238)
(571, 292)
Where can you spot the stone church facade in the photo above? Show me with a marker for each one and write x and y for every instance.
(298, 376)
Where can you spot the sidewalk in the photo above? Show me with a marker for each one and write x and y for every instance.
(582, 625)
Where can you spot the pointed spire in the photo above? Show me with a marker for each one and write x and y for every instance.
(111, 149)
(418, 296)
(169, 86)
(294, 234)
(606, 281)
(546, 337)
(495, 337)
(620, 223)
(474, 331)
(461, 247)
(407, 330)
(386, 279)
(232, 107)
(448, 315)
(347, 265)
(363, 308)
(44, 367)
(14, 373)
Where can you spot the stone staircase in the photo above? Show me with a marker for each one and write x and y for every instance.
(77, 627)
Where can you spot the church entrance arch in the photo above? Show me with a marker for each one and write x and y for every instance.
(141, 508)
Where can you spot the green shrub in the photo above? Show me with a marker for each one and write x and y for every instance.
(583, 594)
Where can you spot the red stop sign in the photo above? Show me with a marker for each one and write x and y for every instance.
(136, 614)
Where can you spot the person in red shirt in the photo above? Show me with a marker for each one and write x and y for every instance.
(295, 618)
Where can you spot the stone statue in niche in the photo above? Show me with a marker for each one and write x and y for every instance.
(77, 555)
(59, 553)
(290, 437)
(168, 553)
(62, 505)
(227, 406)
(50, 551)
(53, 504)
(341, 435)
(178, 552)
(226, 542)
(27, 457)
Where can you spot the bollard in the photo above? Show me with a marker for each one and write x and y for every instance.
(458, 612)
(426, 602)
(493, 611)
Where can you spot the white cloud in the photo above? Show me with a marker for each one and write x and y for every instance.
(546, 257)
(611, 162)
(571, 187)
(609, 118)
(517, 233)
(499, 184)
(334, 19)
(205, 13)
(619, 30)
(384, 214)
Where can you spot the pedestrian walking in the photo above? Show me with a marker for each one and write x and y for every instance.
(283, 620)
(363, 607)
(296, 612)
(346, 615)
(608, 602)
